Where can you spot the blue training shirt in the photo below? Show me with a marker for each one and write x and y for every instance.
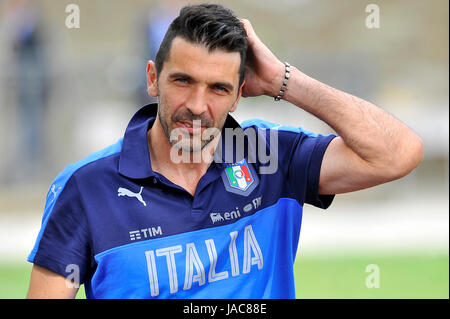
(132, 233)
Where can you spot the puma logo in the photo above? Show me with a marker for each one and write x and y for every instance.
(55, 191)
(126, 192)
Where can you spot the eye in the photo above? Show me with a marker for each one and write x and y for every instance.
(181, 80)
(221, 88)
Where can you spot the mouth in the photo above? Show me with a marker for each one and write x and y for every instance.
(191, 127)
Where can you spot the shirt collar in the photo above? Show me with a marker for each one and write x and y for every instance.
(134, 159)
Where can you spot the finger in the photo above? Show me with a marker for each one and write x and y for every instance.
(248, 29)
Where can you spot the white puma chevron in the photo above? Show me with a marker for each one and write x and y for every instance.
(55, 191)
(126, 192)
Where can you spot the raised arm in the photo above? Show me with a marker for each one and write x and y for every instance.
(373, 147)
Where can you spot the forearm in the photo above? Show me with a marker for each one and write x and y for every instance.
(372, 133)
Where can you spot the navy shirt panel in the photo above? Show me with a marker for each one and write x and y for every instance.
(300, 155)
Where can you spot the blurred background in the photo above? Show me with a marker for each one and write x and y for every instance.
(67, 92)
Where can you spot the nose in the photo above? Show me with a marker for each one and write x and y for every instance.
(197, 102)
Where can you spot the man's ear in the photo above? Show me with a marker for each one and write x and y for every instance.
(152, 79)
(233, 108)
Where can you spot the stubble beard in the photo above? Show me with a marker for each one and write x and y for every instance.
(180, 138)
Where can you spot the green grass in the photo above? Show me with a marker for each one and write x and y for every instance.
(402, 277)
(412, 277)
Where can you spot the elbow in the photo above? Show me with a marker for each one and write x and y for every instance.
(406, 158)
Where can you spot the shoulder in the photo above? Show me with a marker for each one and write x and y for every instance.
(94, 163)
(266, 125)
(284, 136)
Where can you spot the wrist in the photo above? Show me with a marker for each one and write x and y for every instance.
(287, 75)
(273, 87)
(302, 90)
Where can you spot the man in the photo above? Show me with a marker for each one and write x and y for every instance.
(163, 214)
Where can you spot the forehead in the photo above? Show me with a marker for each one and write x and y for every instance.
(197, 61)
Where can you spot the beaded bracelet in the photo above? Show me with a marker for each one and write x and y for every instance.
(287, 75)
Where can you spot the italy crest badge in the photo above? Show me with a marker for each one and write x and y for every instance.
(239, 178)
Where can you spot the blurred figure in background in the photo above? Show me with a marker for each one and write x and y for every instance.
(23, 37)
(154, 26)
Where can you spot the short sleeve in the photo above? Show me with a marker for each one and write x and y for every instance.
(303, 172)
(300, 155)
(63, 241)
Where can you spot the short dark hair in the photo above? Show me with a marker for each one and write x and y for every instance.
(211, 25)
